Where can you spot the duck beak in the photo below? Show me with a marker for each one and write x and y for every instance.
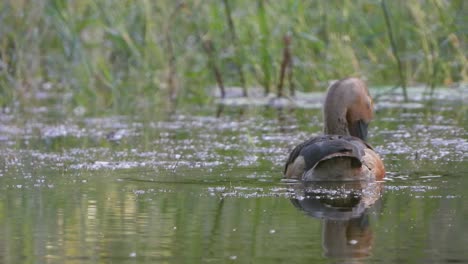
(358, 129)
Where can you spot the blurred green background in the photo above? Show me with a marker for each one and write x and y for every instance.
(105, 54)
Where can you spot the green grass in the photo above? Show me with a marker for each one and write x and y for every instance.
(123, 54)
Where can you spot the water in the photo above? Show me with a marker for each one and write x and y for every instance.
(192, 187)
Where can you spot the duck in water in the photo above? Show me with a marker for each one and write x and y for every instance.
(341, 154)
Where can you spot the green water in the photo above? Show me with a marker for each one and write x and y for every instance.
(192, 187)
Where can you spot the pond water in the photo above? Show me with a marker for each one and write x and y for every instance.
(205, 186)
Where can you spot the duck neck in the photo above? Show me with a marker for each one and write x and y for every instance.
(335, 123)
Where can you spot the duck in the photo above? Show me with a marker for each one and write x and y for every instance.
(341, 153)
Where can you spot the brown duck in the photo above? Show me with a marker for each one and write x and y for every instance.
(342, 153)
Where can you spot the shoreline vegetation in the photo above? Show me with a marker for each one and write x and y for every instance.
(122, 54)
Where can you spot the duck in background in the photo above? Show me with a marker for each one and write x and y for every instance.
(341, 154)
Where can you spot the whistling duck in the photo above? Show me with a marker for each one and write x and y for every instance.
(342, 153)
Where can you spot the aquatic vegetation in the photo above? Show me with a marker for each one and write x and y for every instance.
(124, 55)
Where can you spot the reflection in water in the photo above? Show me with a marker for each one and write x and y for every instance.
(344, 208)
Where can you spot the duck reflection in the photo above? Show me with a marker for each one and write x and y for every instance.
(344, 208)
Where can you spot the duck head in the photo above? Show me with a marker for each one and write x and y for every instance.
(348, 108)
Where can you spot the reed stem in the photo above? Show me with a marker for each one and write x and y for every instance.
(233, 35)
(210, 50)
(394, 48)
(285, 64)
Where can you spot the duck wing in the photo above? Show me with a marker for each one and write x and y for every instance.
(315, 151)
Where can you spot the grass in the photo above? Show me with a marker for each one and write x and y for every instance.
(124, 54)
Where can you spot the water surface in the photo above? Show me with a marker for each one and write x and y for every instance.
(205, 186)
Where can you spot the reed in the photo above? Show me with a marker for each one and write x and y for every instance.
(395, 50)
(238, 53)
(115, 55)
(286, 67)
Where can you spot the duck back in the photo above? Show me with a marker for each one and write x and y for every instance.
(328, 157)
